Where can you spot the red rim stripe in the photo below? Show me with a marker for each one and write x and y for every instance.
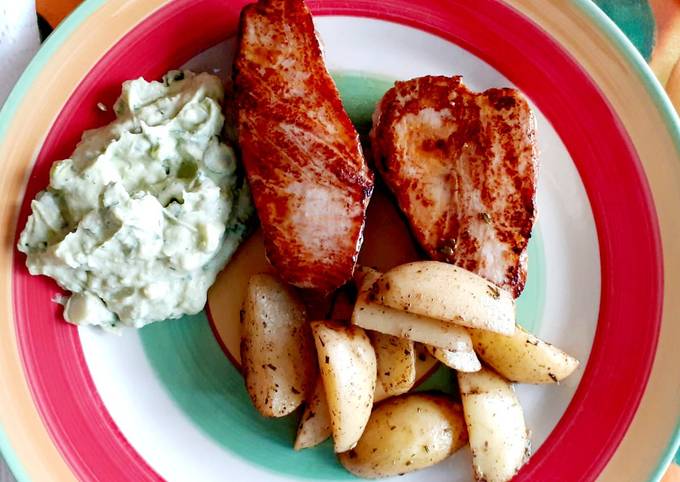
(630, 250)
(56, 370)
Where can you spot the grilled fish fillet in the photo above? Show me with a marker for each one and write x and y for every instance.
(301, 153)
(462, 166)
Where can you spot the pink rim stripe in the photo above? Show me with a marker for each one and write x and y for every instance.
(625, 341)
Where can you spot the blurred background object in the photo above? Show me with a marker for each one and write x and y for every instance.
(19, 40)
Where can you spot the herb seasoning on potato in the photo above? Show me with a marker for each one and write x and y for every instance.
(499, 440)
(315, 424)
(348, 370)
(522, 357)
(277, 352)
(407, 433)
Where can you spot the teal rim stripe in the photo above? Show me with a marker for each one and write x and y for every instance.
(12, 460)
(47, 49)
(670, 117)
(671, 454)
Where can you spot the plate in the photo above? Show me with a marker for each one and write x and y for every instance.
(167, 402)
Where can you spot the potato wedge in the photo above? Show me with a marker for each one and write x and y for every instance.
(364, 277)
(425, 363)
(464, 361)
(522, 357)
(380, 394)
(446, 292)
(396, 362)
(407, 433)
(277, 350)
(495, 421)
(315, 424)
(348, 370)
(390, 321)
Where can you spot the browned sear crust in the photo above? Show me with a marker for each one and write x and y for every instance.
(462, 166)
(302, 156)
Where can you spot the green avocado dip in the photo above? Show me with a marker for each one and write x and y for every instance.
(148, 209)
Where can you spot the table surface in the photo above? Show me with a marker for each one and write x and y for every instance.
(652, 25)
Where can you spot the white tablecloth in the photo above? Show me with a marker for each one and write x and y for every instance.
(19, 40)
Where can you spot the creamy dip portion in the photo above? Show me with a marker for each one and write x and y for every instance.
(148, 209)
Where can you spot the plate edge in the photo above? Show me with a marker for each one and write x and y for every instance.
(658, 95)
(9, 108)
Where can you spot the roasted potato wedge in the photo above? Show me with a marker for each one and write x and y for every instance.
(463, 360)
(407, 433)
(390, 321)
(425, 365)
(315, 424)
(495, 422)
(446, 292)
(396, 362)
(521, 357)
(364, 277)
(425, 362)
(380, 394)
(277, 350)
(348, 370)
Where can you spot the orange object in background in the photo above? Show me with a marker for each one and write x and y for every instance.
(54, 11)
(673, 474)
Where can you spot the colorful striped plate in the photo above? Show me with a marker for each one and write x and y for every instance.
(168, 402)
